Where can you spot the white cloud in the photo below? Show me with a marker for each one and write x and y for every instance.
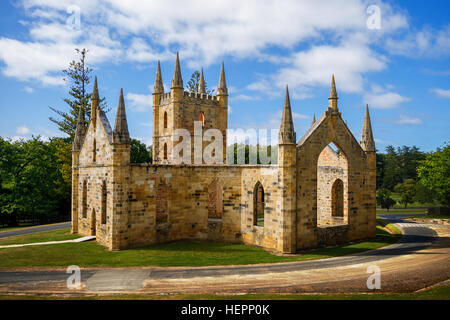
(44, 61)
(244, 97)
(140, 102)
(427, 42)
(140, 51)
(203, 31)
(314, 67)
(405, 120)
(44, 138)
(22, 130)
(28, 89)
(441, 93)
(382, 98)
(296, 115)
(17, 138)
(148, 141)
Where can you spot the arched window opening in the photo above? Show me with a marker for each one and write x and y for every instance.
(165, 151)
(332, 180)
(93, 223)
(258, 205)
(162, 204)
(94, 151)
(84, 200)
(337, 199)
(215, 200)
(104, 203)
(201, 118)
(165, 120)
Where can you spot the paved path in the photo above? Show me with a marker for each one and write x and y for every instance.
(50, 227)
(420, 259)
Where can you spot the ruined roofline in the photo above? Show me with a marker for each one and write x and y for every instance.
(311, 129)
(322, 118)
(101, 115)
(106, 126)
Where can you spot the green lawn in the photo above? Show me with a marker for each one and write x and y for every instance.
(90, 254)
(438, 293)
(55, 235)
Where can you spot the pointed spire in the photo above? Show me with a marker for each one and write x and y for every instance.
(332, 99)
(333, 93)
(158, 87)
(79, 132)
(120, 133)
(177, 80)
(201, 84)
(222, 88)
(287, 134)
(94, 103)
(313, 119)
(95, 90)
(367, 142)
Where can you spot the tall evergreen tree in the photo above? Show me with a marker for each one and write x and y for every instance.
(78, 74)
(196, 84)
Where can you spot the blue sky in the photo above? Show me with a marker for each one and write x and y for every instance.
(395, 56)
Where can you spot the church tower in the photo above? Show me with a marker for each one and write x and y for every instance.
(196, 112)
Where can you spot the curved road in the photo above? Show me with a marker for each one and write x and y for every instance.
(420, 259)
(49, 227)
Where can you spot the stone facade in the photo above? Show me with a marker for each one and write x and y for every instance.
(314, 195)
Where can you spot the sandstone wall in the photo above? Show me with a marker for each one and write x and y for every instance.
(358, 199)
(188, 203)
(330, 167)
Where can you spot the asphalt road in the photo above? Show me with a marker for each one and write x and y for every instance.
(50, 227)
(418, 260)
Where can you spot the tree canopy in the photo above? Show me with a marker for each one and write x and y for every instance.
(397, 165)
(78, 75)
(434, 173)
(194, 83)
(31, 179)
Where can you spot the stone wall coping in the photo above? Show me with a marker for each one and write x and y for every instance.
(273, 166)
(344, 225)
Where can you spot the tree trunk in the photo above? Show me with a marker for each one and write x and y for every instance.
(13, 220)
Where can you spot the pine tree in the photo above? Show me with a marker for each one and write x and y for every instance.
(79, 75)
(194, 84)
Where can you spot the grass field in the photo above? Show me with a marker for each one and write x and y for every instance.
(438, 293)
(91, 254)
(55, 235)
